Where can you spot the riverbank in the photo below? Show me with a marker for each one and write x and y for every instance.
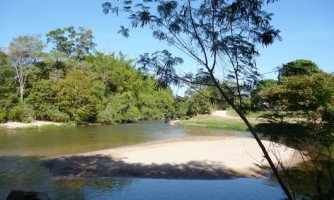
(209, 121)
(221, 119)
(33, 124)
(194, 157)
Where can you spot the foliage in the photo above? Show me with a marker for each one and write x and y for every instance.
(8, 92)
(258, 102)
(105, 116)
(181, 106)
(298, 67)
(305, 93)
(75, 83)
(123, 108)
(57, 116)
(199, 103)
(202, 32)
(42, 99)
(75, 96)
(23, 52)
(74, 43)
(20, 112)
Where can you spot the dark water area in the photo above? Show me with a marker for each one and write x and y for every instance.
(21, 152)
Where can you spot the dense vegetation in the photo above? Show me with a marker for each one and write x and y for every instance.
(73, 82)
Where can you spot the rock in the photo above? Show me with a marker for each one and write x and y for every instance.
(27, 195)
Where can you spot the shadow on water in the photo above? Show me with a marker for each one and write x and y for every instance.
(25, 173)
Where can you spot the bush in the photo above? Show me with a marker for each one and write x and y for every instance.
(20, 112)
(2, 116)
(57, 116)
(105, 116)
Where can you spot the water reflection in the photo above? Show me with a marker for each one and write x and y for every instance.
(59, 141)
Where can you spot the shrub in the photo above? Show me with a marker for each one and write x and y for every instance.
(57, 116)
(20, 112)
(2, 116)
(105, 116)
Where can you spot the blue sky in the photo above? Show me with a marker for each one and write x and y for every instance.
(307, 29)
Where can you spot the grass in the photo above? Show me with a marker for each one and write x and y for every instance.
(63, 125)
(249, 115)
(208, 121)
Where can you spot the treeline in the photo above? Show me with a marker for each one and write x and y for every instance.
(100, 88)
(75, 83)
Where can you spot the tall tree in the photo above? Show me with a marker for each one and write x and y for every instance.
(23, 52)
(221, 36)
(74, 43)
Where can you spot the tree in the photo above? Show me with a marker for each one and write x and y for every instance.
(298, 67)
(211, 33)
(75, 96)
(23, 52)
(74, 43)
(306, 93)
(123, 108)
(8, 85)
(257, 101)
(42, 99)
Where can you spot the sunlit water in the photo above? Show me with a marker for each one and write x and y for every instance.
(22, 150)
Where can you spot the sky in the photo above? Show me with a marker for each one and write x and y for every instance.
(307, 29)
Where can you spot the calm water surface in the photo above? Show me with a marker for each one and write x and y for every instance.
(22, 150)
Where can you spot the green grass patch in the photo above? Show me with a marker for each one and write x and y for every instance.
(256, 114)
(208, 121)
(63, 125)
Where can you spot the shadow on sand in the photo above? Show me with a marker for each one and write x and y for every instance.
(106, 166)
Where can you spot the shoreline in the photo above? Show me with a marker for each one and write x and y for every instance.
(39, 123)
(197, 157)
(33, 124)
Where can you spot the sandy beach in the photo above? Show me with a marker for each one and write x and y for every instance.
(36, 123)
(224, 114)
(193, 157)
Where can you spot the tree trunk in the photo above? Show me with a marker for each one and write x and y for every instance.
(256, 137)
(21, 92)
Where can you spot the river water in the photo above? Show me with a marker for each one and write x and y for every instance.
(22, 150)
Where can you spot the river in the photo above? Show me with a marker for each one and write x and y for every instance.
(22, 150)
